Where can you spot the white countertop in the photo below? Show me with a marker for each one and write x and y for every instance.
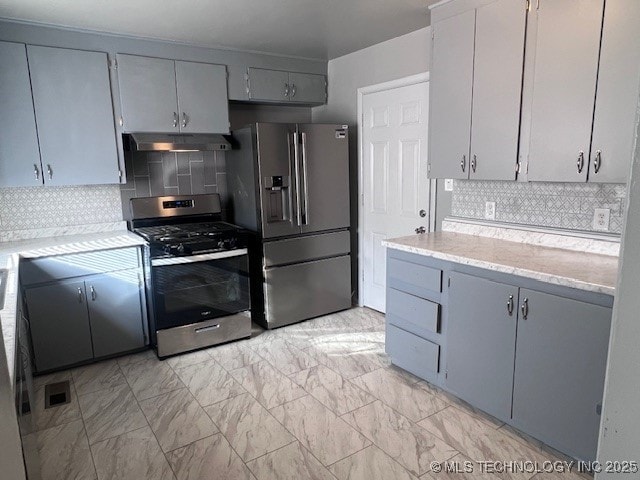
(584, 271)
(12, 252)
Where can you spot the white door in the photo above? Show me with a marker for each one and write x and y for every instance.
(395, 188)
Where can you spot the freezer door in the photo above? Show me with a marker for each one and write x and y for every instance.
(324, 169)
(278, 183)
(306, 290)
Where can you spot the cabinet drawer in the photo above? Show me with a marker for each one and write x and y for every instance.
(411, 312)
(414, 278)
(48, 269)
(412, 353)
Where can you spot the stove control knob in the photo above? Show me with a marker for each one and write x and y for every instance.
(221, 244)
(232, 243)
(180, 249)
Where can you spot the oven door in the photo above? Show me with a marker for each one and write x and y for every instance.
(191, 289)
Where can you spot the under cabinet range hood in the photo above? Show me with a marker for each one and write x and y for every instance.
(167, 142)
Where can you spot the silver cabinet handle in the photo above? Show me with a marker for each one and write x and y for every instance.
(93, 293)
(305, 214)
(597, 163)
(79, 295)
(36, 171)
(580, 162)
(463, 163)
(293, 90)
(286, 90)
(49, 171)
(207, 329)
(296, 172)
(474, 162)
(510, 305)
(524, 308)
(185, 119)
(175, 119)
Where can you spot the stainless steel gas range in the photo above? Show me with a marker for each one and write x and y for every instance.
(197, 272)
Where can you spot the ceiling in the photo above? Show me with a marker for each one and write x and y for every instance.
(321, 29)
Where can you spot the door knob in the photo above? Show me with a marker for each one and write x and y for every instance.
(423, 213)
(421, 230)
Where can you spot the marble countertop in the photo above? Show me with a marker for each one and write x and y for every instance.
(12, 252)
(584, 271)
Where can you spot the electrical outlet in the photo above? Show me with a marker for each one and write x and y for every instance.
(490, 210)
(448, 184)
(601, 218)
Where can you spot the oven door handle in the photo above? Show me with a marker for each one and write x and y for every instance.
(160, 262)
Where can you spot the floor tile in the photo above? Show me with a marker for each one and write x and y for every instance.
(109, 413)
(319, 430)
(404, 441)
(188, 359)
(333, 391)
(248, 426)
(292, 462)
(284, 356)
(477, 440)
(176, 419)
(234, 355)
(64, 452)
(148, 354)
(59, 414)
(150, 378)
(270, 387)
(132, 456)
(209, 458)
(98, 376)
(410, 400)
(209, 382)
(370, 463)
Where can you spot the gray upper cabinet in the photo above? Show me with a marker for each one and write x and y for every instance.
(159, 95)
(74, 115)
(564, 88)
(618, 81)
(202, 97)
(481, 339)
(19, 154)
(286, 87)
(148, 94)
(497, 89)
(559, 371)
(451, 84)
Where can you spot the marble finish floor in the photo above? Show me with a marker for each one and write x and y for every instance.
(316, 400)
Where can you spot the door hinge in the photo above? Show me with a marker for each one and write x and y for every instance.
(362, 199)
(114, 64)
(449, 282)
(518, 164)
(247, 83)
(120, 174)
(121, 121)
(528, 5)
(446, 374)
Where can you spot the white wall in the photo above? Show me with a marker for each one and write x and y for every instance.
(620, 429)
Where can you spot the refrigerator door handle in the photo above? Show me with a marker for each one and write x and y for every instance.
(296, 155)
(305, 217)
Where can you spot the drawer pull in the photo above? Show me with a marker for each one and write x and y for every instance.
(207, 329)
(525, 308)
(510, 305)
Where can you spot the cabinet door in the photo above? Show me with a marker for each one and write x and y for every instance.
(307, 88)
(148, 94)
(561, 358)
(564, 88)
(59, 325)
(115, 312)
(202, 97)
(19, 154)
(450, 97)
(74, 115)
(268, 85)
(481, 339)
(497, 89)
(618, 81)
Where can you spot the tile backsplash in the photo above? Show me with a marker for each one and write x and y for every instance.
(34, 208)
(167, 173)
(558, 205)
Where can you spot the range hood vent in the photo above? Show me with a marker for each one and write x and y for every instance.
(167, 142)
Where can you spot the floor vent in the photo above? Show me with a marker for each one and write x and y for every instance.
(56, 394)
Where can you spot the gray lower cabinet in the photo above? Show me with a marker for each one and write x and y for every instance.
(279, 86)
(74, 115)
(481, 338)
(19, 154)
(59, 324)
(559, 371)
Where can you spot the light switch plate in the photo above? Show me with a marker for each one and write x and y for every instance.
(601, 217)
(448, 184)
(490, 210)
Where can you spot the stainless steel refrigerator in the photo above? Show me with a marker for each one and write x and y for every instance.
(289, 184)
